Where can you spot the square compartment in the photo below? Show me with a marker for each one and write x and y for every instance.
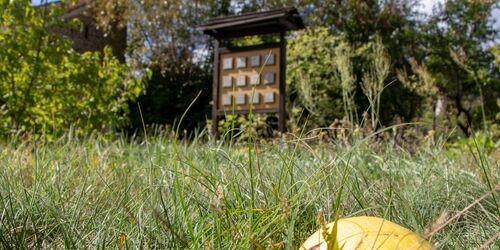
(255, 61)
(227, 81)
(241, 81)
(227, 63)
(269, 59)
(240, 99)
(255, 98)
(241, 62)
(269, 97)
(226, 100)
(254, 79)
(269, 78)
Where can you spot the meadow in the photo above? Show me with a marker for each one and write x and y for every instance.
(169, 194)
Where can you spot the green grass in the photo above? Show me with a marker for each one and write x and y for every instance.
(86, 194)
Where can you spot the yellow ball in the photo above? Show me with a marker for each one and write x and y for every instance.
(366, 232)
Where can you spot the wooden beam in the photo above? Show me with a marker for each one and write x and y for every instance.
(247, 48)
(225, 34)
(287, 23)
(241, 23)
(215, 91)
(246, 112)
(282, 107)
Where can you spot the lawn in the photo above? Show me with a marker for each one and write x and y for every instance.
(166, 194)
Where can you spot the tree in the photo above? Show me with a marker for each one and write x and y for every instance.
(396, 24)
(47, 87)
(459, 62)
(164, 33)
(160, 31)
(163, 37)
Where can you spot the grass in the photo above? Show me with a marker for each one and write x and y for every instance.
(165, 194)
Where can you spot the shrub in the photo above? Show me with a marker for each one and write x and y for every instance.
(312, 80)
(47, 87)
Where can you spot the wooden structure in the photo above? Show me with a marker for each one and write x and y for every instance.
(251, 79)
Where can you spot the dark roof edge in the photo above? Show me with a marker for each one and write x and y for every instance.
(285, 10)
(250, 17)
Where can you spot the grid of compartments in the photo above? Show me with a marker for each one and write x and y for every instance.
(249, 78)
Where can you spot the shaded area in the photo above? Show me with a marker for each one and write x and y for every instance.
(169, 94)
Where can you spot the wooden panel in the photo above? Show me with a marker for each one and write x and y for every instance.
(215, 88)
(249, 79)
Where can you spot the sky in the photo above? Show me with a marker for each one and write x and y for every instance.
(428, 4)
(36, 2)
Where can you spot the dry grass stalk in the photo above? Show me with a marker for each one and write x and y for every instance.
(462, 212)
(487, 243)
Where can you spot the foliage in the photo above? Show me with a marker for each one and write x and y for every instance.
(167, 96)
(160, 31)
(419, 48)
(240, 128)
(329, 64)
(343, 65)
(163, 37)
(458, 62)
(496, 52)
(311, 77)
(373, 82)
(156, 194)
(486, 143)
(47, 87)
(421, 81)
(321, 70)
(361, 22)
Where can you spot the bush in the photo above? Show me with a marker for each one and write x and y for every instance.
(168, 95)
(47, 87)
(312, 80)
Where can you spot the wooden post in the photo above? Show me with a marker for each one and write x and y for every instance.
(215, 90)
(282, 110)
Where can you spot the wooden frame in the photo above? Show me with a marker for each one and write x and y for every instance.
(215, 89)
(257, 23)
(282, 92)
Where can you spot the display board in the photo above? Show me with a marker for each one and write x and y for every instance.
(243, 81)
(249, 78)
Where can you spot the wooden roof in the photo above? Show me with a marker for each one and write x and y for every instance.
(254, 23)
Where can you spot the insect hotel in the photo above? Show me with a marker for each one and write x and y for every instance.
(251, 78)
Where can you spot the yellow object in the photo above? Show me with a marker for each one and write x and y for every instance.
(366, 232)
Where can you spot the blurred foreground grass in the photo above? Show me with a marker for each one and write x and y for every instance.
(93, 193)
